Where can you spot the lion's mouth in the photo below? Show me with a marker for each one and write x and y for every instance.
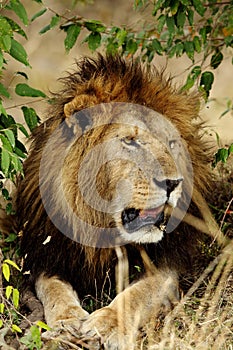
(134, 219)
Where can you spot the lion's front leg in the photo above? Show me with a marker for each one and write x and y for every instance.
(60, 302)
(118, 323)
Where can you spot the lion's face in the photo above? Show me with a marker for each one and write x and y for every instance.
(142, 181)
(130, 170)
(147, 188)
(122, 174)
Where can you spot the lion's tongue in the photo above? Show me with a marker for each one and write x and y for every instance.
(153, 213)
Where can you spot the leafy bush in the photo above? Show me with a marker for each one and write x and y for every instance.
(199, 29)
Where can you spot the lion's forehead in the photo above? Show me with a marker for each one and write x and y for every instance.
(149, 131)
(128, 117)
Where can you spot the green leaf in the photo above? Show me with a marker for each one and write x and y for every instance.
(53, 22)
(38, 14)
(5, 143)
(216, 59)
(71, 36)
(111, 46)
(8, 291)
(18, 52)
(16, 28)
(172, 51)
(161, 21)
(228, 40)
(5, 43)
(3, 91)
(189, 49)
(5, 194)
(11, 238)
(198, 5)
(94, 26)
(131, 46)
(30, 117)
(196, 71)
(32, 339)
(15, 298)
(20, 153)
(11, 137)
(19, 10)
(181, 17)
(12, 263)
(190, 16)
(2, 110)
(185, 2)
(7, 121)
(22, 129)
(20, 146)
(223, 153)
(94, 41)
(5, 161)
(189, 83)
(5, 28)
(179, 49)
(174, 6)
(2, 306)
(26, 90)
(230, 149)
(121, 36)
(203, 33)
(206, 82)
(194, 74)
(16, 328)
(157, 46)
(170, 24)
(221, 156)
(45, 29)
(197, 44)
(43, 325)
(1, 60)
(157, 5)
(9, 209)
(6, 274)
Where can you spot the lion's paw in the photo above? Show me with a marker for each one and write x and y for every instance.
(67, 332)
(66, 328)
(104, 325)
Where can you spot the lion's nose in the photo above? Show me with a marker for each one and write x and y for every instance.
(167, 184)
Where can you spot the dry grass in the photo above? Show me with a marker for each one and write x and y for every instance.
(207, 322)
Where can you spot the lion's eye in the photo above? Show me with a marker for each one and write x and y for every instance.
(130, 141)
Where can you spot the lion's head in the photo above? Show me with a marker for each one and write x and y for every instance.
(124, 183)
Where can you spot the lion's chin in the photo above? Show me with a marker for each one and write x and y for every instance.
(147, 234)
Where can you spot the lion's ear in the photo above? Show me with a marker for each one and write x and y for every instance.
(76, 112)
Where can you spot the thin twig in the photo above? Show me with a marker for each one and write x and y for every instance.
(225, 213)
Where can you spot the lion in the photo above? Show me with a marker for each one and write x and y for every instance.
(109, 178)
